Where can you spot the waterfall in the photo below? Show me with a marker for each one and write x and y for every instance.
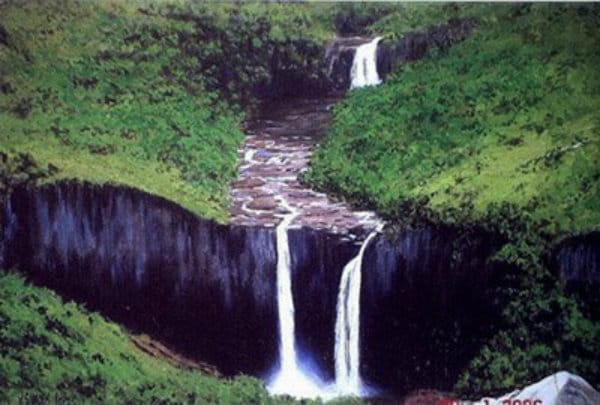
(347, 327)
(290, 379)
(364, 66)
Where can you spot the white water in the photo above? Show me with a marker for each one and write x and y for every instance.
(347, 327)
(364, 66)
(291, 378)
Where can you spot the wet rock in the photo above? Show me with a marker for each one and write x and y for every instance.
(249, 182)
(263, 204)
(277, 152)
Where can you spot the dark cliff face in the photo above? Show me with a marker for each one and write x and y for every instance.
(424, 306)
(339, 58)
(577, 261)
(318, 259)
(211, 289)
(415, 45)
(207, 288)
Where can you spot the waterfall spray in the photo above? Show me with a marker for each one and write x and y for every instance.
(347, 326)
(364, 66)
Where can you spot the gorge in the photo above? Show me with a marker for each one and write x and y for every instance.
(300, 288)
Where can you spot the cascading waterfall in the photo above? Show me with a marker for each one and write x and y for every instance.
(347, 326)
(364, 66)
(290, 379)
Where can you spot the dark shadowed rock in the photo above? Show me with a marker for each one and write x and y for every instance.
(415, 45)
(210, 290)
(578, 258)
(3, 36)
(577, 392)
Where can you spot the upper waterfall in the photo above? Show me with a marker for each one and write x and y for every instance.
(364, 67)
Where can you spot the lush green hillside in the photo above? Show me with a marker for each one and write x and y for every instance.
(501, 133)
(508, 116)
(143, 94)
(51, 350)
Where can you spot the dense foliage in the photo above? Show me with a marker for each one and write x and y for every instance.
(507, 116)
(149, 95)
(59, 352)
(500, 132)
(542, 327)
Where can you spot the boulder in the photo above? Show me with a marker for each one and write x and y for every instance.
(562, 388)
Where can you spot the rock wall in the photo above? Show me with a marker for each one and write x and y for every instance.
(207, 288)
(318, 259)
(424, 302)
(577, 262)
(415, 45)
(578, 258)
(210, 289)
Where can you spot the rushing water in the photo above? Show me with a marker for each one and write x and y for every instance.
(347, 327)
(364, 67)
(291, 378)
(277, 149)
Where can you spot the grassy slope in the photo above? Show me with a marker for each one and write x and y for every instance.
(83, 92)
(57, 351)
(143, 93)
(50, 348)
(510, 115)
(108, 93)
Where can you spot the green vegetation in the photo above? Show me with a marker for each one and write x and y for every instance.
(147, 95)
(56, 351)
(83, 89)
(542, 328)
(510, 115)
(59, 352)
(500, 132)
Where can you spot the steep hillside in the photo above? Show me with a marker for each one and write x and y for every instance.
(508, 116)
(57, 351)
(147, 95)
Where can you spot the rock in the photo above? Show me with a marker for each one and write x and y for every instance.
(562, 388)
(415, 45)
(250, 182)
(578, 258)
(576, 392)
(264, 204)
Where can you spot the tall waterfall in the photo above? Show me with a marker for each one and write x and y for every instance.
(347, 327)
(290, 379)
(364, 66)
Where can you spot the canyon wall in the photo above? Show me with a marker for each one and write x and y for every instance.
(210, 289)
(207, 288)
